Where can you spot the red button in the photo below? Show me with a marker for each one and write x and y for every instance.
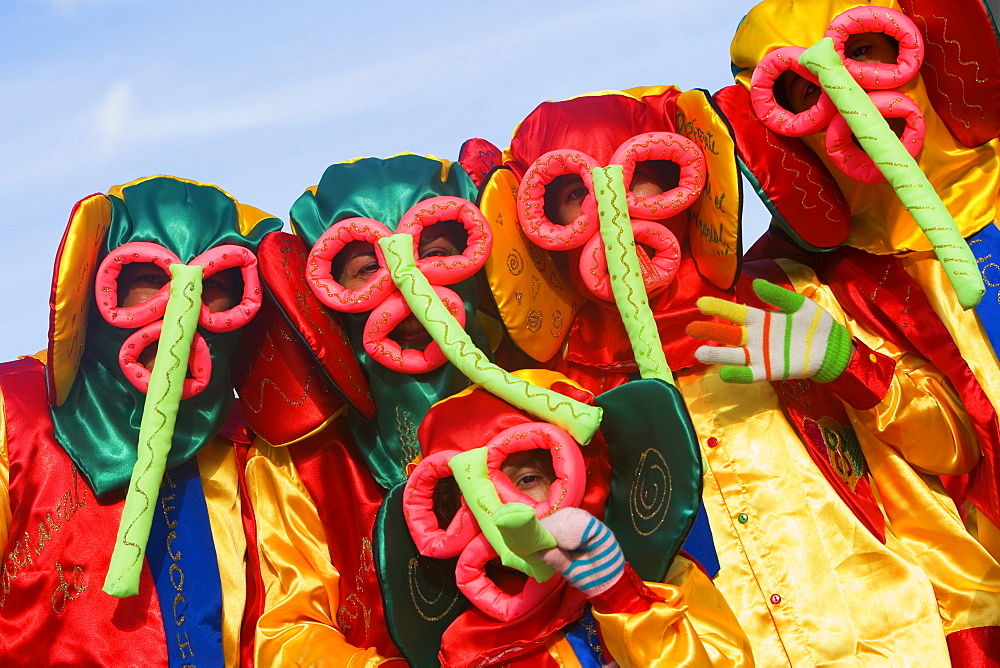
(712, 442)
(775, 599)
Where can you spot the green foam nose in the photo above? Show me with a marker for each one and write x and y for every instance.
(156, 429)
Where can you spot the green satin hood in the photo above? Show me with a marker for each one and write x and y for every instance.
(384, 189)
(379, 188)
(98, 423)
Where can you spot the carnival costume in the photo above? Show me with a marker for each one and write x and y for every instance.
(871, 249)
(808, 562)
(88, 433)
(875, 251)
(545, 622)
(337, 401)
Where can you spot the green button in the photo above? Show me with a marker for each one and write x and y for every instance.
(743, 518)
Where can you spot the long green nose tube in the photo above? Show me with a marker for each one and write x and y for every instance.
(156, 429)
(900, 170)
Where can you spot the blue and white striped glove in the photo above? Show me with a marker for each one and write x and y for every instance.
(588, 555)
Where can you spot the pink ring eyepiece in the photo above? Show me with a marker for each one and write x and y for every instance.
(449, 269)
(482, 592)
(662, 146)
(220, 258)
(852, 160)
(106, 284)
(531, 201)
(776, 117)
(319, 266)
(893, 24)
(199, 361)
(658, 271)
(418, 497)
(389, 352)
(567, 464)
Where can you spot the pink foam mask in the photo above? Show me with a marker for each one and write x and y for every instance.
(531, 201)
(671, 147)
(766, 107)
(199, 361)
(418, 497)
(389, 352)
(852, 160)
(449, 269)
(106, 284)
(319, 266)
(221, 258)
(463, 536)
(894, 24)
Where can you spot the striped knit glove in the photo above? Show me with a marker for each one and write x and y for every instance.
(588, 555)
(799, 340)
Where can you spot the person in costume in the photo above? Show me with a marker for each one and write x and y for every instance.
(931, 71)
(342, 376)
(593, 608)
(122, 535)
(808, 586)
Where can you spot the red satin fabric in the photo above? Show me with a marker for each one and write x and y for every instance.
(963, 72)
(282, 259)
(52, 609)
(799, 186)
(975, 648)
(598, 339)
(284, 392)
(347, 499)
(474, 638)
(255, 598)
(629, 594)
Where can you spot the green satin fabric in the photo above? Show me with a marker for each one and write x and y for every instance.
(389, 442)
(98, 424)
(377, 188)
(384, 189)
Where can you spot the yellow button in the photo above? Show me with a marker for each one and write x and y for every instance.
(872, 357)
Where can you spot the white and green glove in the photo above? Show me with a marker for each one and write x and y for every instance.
(798, 340)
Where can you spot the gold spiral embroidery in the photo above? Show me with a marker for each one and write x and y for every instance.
(650, 494)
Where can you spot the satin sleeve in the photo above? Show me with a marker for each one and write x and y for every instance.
(4, 479)
(298, 626)
(921, 415)
(692, 626)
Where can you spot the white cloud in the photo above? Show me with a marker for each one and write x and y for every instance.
(112, 113)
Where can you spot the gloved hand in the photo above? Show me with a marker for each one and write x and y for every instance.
(588, 555)
(799, 340)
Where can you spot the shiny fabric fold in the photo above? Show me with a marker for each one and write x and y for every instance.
(57, 552)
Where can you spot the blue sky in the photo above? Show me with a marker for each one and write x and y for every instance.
(259, 97)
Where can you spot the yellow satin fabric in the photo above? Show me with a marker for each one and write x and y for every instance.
(840, 589)
(924, 425)
(809, 584)
(693, 626)
(772, 24)
(299, 626)
(217, 468)
(968, 334)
